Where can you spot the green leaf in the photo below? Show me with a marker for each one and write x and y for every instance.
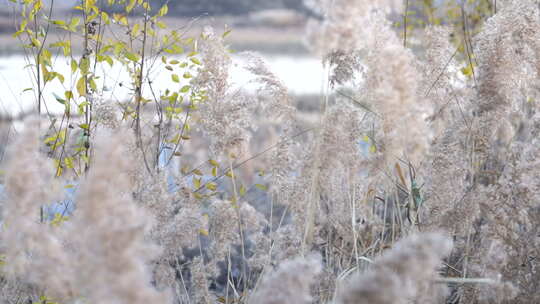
(92, 84)
(175, 78)
(226, 33)
(109, 60)
(59, 99)
(84, 65)
(132, 56)
(74, 23)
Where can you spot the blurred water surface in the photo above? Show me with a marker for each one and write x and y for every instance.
(301, 74)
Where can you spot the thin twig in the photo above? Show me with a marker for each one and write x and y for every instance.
(363, 106)
(466, 281)
(442, 72)
(405, 23)
(138, 91)
(468, 48)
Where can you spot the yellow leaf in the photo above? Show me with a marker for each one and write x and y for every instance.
(467, 71)
(197, 183)
(136, 30)
(35, 42)
(68, 95)
(262, 187)
(59, 169)
(74, 66)
(59, 22)
(400, 175)
(123, 20)
(105, 17)
(226, 33)
(68, 161)
(93, 84)
(242, 190)
(81, 86)
(130, 6)
(163, 10)
(161, 25)
(74, 23)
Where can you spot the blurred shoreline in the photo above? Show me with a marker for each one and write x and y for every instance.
(270, 32)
